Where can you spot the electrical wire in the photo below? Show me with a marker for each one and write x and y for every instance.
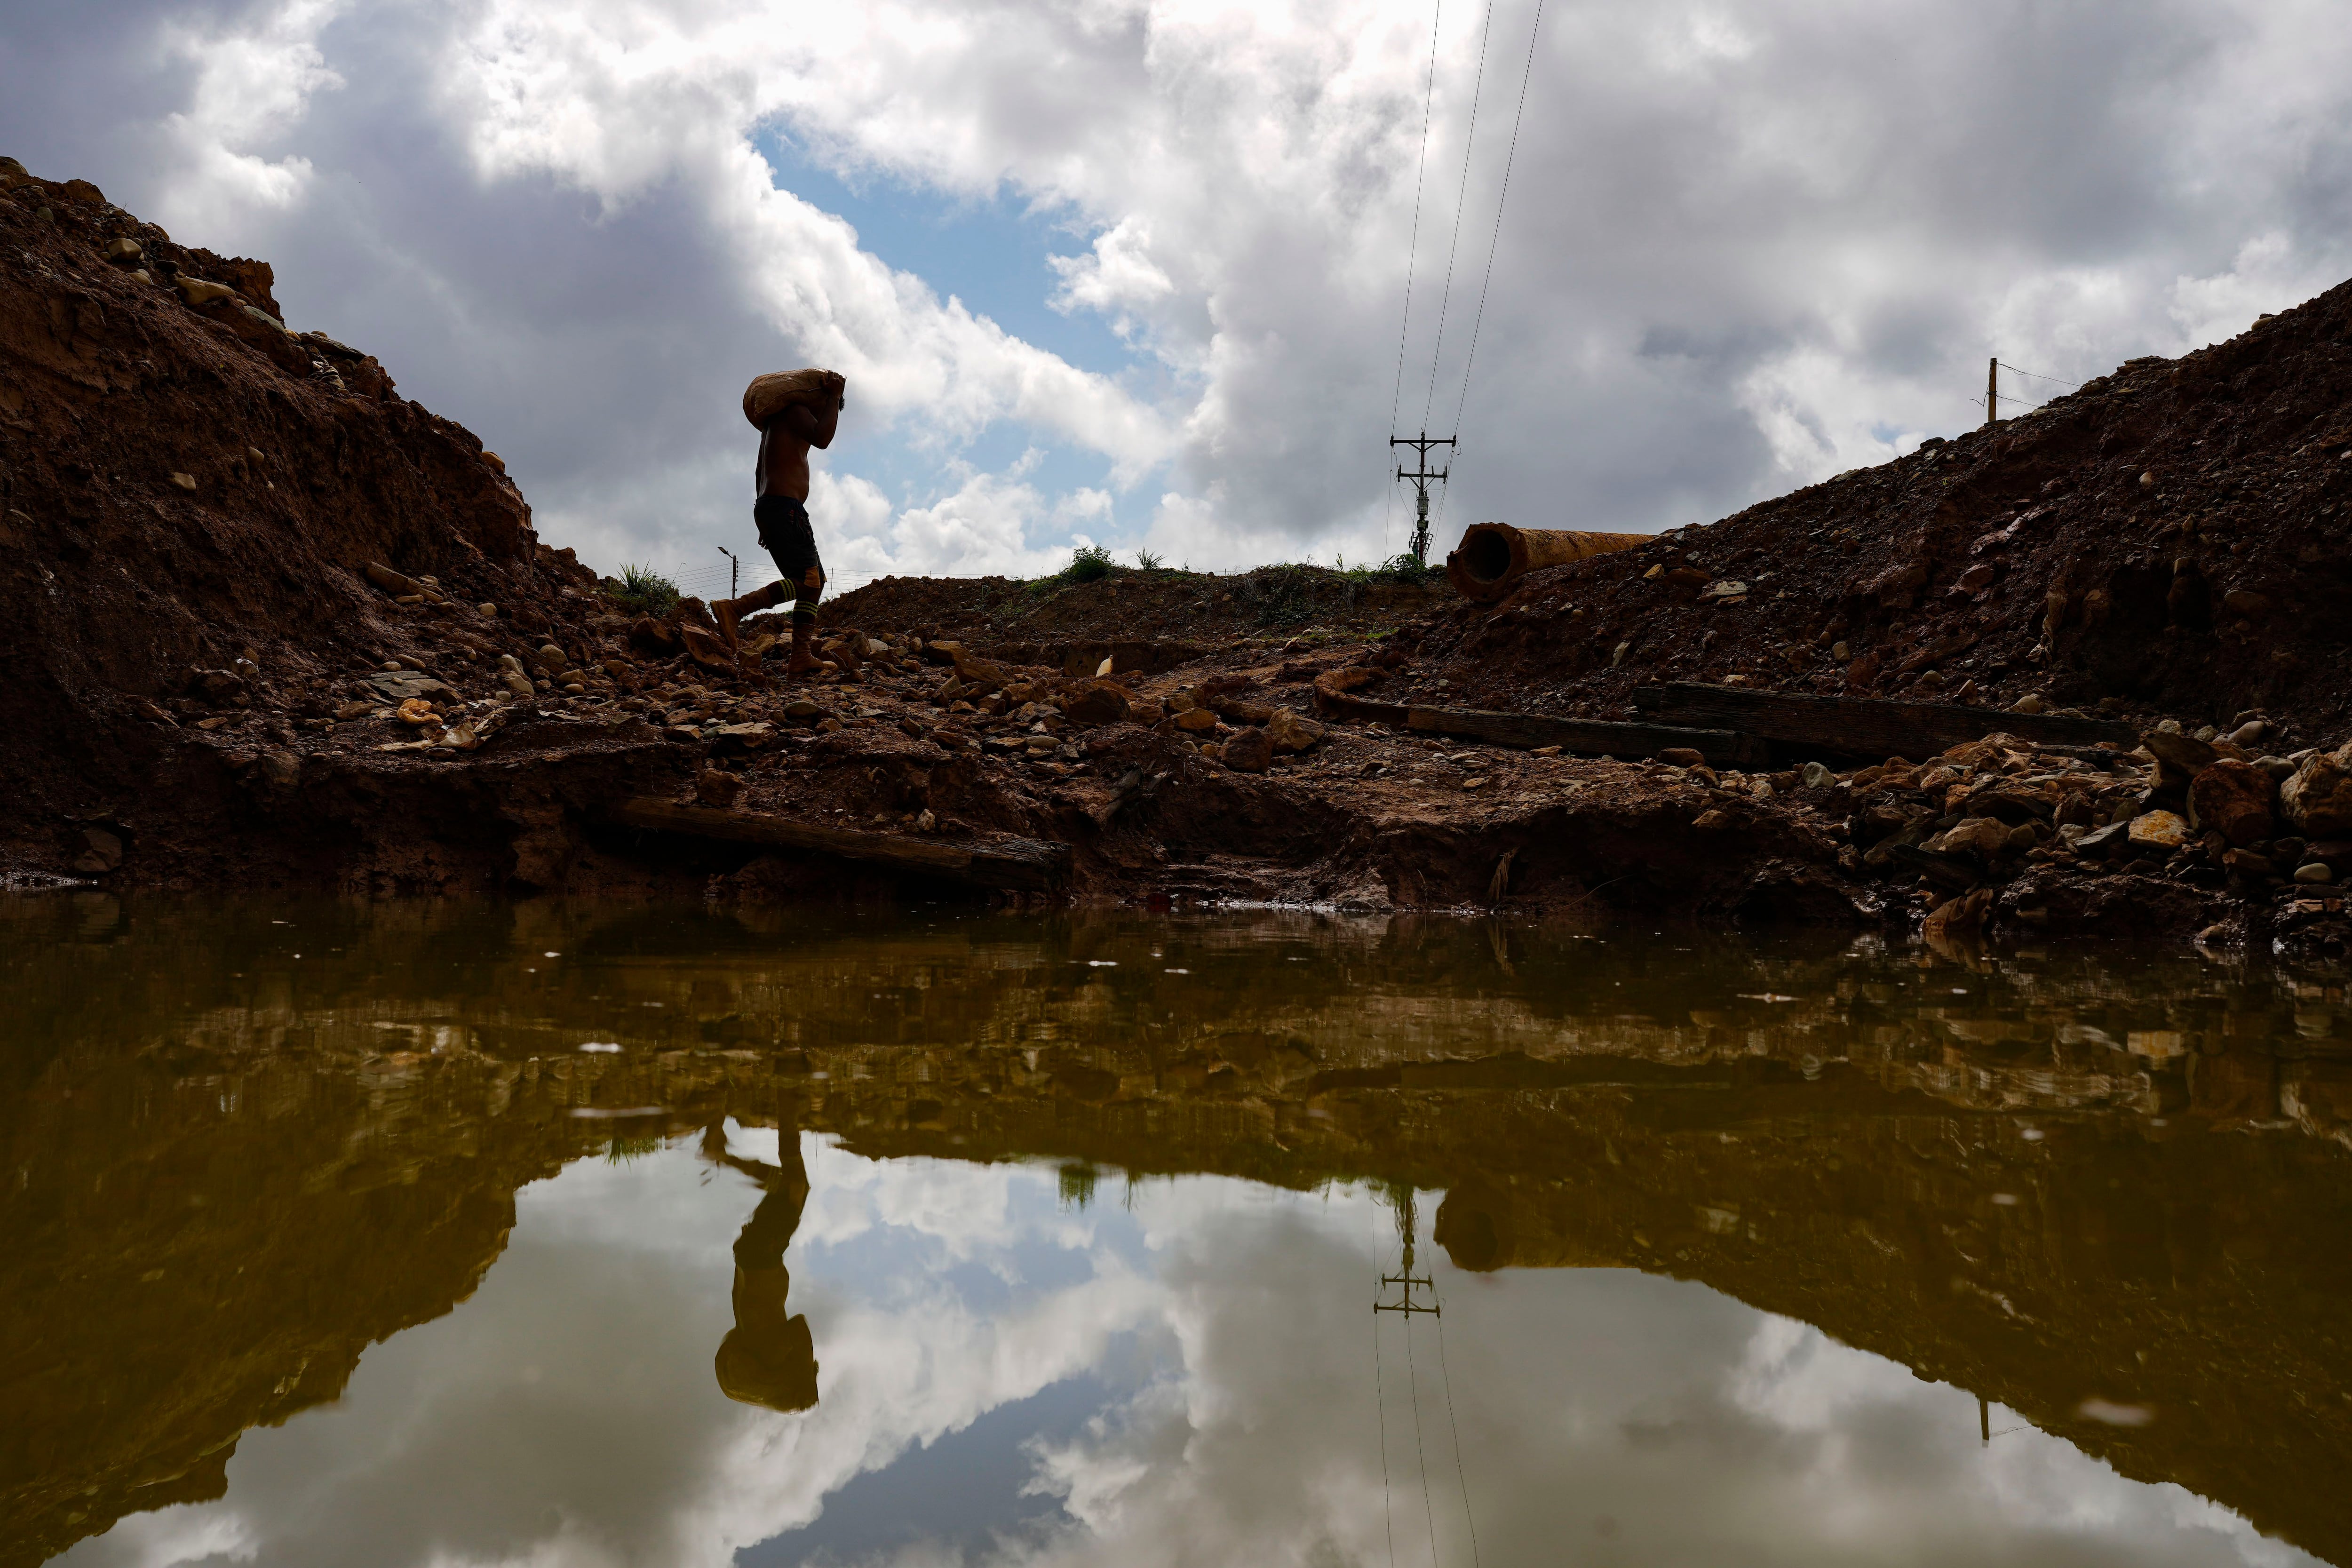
(1445, 1375)
(1380, 1391)
(1412, 1383)
(1413, 250)
(1460, 204)
(2037, 376)
(1478, 320)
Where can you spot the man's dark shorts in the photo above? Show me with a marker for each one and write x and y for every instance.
(785, 535)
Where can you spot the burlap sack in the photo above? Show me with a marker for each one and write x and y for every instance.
(770, 396)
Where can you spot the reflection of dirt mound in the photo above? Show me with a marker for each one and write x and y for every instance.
(2175, 536)
(1825, 1132)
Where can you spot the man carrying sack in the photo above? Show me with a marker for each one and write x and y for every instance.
(793, 411)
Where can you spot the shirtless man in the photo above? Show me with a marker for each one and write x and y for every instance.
(781, 511)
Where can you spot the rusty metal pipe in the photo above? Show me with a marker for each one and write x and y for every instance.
(1493, 556)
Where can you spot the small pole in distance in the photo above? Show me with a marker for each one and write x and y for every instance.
(1992, 390)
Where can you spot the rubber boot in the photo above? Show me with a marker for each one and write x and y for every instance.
(804, 661)
(723, 612)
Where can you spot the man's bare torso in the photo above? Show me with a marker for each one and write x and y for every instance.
(784, 445)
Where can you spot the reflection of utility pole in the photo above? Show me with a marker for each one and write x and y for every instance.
(1406, 1280)
(1984, 1421)
(1420, 477)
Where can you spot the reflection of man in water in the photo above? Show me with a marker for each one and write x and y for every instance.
(768, 1357)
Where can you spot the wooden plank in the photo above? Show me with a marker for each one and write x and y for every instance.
(1866, 727)
(996, 863)
(1592, 737)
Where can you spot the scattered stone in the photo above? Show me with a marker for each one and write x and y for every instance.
(2096, 843)
(1097, 703)
(416, 711)
(2159, 830)
(2185, 753)
(2249, 865)
(2318, 798)
(1714, 819)
(1195, 721)
(2314, 871)
(200, 292)
(1681, 757)
(1817, 776)
(2233, 798)
(2245, 602)
(1292, 734)
(102, 852)
(716, 786)
(2029, 703)
(125, 252)
(802, 711)
(1249, 750)
(283, 769)
(1984, 837)
(184, 482)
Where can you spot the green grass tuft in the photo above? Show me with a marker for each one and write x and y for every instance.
(1089, 563)
(644, 590)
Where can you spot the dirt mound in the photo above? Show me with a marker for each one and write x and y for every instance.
(193, 496)
(2175, 537)
(1312, 603)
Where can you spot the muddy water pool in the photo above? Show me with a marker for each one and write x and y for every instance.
(477, 1234)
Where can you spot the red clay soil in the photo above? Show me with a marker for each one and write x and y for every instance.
(2174, 538)
(276, 626)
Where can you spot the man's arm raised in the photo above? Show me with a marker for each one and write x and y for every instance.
(815, 423)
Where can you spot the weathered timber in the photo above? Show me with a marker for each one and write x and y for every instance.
(1020, 863)
(1866, 727)
(1593, 737)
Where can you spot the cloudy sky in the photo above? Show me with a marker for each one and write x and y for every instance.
(1135, 271)
(1175, 1377)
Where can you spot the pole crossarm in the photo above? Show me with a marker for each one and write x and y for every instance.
(1420, 477)
(1406, 1284)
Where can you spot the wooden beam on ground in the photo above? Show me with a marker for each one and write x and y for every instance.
(1866, 727)
(1591, 737)
(1022, 863)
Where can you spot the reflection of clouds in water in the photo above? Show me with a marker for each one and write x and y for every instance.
(1217, 1338)
(568, 1413)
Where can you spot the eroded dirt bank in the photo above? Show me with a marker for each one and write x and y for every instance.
(278, 627)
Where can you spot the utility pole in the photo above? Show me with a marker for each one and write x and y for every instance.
(1420, 476)
(1992, 390)
(1406, 1281)
(734, 572)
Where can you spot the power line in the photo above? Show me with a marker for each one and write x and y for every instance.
(1445, 1375)
(1412, 250)
(1534, 27)
(2037, 376)
(1460, 204)
(1412, 1383)
(1380, 1391)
